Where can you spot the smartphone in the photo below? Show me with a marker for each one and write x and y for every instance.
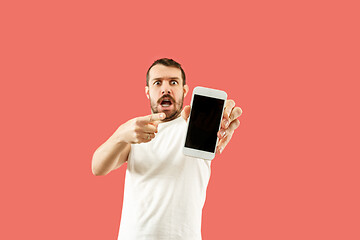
(207, 107)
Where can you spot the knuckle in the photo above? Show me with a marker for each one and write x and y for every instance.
(137, 130)
(235, 125)
(137, 135)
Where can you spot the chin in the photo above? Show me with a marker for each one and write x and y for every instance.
(171, 115)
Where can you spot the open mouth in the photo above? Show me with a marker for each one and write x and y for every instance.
(166, 101)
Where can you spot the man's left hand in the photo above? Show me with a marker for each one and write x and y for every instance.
(229, 123)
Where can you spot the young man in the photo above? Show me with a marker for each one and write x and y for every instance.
(164, 190)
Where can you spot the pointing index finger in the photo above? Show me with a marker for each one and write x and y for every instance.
(153, 117)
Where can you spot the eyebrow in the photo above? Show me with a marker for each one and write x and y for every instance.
(161, 78)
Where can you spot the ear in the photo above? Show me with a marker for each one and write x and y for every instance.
(186, 89)
(147, 92)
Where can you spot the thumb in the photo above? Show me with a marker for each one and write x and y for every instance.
(186, 112)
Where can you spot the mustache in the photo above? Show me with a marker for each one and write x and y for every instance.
(166, 96)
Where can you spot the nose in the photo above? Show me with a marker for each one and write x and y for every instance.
(165, 89)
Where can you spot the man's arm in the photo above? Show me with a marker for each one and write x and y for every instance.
(115, 151)
(110, 156)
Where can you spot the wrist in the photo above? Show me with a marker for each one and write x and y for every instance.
(118, 137)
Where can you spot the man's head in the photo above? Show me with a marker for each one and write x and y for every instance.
(166, 87)
(169, 63)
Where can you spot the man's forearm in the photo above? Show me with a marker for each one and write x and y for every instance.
(109, 156)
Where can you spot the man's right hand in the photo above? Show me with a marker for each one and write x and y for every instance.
(115, 151)
(139, 130)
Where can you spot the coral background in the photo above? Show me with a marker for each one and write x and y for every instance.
(72, 71)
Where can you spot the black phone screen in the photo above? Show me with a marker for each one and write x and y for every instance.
(204, 123)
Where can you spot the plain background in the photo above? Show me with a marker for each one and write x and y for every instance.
(72, 71)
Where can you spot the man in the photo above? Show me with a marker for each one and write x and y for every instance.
(164, 190)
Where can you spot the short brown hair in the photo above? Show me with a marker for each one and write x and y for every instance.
(169, 63)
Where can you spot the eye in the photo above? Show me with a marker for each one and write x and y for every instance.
(173, 82)
(156, 83)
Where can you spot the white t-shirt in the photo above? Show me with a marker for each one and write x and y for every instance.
(164, 189)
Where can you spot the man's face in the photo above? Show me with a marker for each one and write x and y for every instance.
(166, 91)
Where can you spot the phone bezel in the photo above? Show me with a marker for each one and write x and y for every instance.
(212, 93)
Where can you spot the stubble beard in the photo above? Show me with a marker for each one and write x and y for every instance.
(169, 116)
